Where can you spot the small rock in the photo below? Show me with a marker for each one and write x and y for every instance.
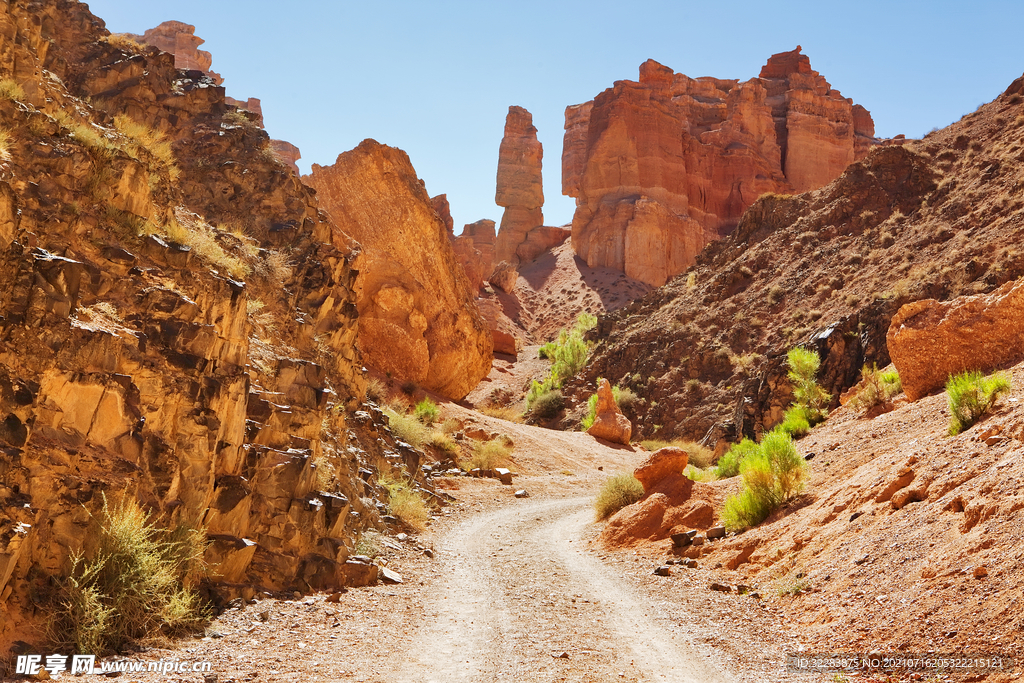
(855, 515)
(950, 634)
(209, 678)
(504, 475)
(390, 575)
(402, 536)
(671, 560)
(683, 539)
(742, 588)
(994, 440)
(428, 552)
(362, 559)
(335, 597)
(296, 594)
(862, 560)
(980, 572)
(663, 571)
(564, 655)
(697, 540)
(721, 587)
(689, 563)
(264, 615)
(716, 532)
(755, 595)
(522, 493)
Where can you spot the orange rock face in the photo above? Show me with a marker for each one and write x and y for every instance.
(610, 424)
(286, 152)
(930, 340)
(417, 316)
(474, 249)
(179, 39)
(663, 166)
(519, 184)
(662, 464)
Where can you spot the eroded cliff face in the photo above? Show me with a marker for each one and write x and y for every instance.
(663, 166)
(417, 316)
(177, 324)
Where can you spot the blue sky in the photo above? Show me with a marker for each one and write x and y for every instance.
(436, 79)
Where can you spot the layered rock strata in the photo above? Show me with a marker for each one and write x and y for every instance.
(417, 315)
(519, 184)
(180, 40)
(663, 166)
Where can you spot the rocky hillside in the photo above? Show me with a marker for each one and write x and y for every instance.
(934, 218)
(177, 324)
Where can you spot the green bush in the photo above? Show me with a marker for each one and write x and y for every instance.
(547, 404)
(426, 411)
(406, 428)
(971, 395)
(797, 421)
(588, 420)
(729, 464)
(878, 388)
(488, 454)
(617, 492)
(810, 401)
(772, 473)
(138, 582)
(406, 503)
(568, 355)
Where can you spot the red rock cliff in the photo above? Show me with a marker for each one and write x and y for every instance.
(662, 166)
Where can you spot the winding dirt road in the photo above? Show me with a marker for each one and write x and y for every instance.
(523, 600)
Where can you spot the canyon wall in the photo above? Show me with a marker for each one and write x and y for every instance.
(663, 166)
(417, 315)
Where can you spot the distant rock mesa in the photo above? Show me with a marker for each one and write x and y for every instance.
(417, 315)
(663, 166)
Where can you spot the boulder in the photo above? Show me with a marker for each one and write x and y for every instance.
(418, 319)
(931, 340)
(179, 39)
(663, 166)
(505, 277)
(661, 464)
(609, 424)
(474, 249)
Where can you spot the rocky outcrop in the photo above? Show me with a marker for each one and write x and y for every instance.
(664, 463)
(474, 249)
(663, 166)
(444, 210)
(286, 152)
(417, 316)
(519, 186)
(179, 39)
(929, 340)
(505, 277)
(609, 424)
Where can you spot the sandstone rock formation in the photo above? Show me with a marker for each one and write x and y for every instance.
(505, 277)
(210, 374)
(609, 424)
(417, 316)
(286, 152)
(179, 39)
(662, 464)
(931, 340)
(663, 166)
(474, 249)
(519, 186)
(444, 210)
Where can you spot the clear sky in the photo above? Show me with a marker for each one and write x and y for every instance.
(436, 78)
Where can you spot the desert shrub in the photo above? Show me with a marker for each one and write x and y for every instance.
(627, 399)
(971, 395)
(588, 419)
(617, 492)
(140, 137)
(5, 144)
(406, 428)
(451, 425)
(488, 454)
(369, 544)
(729, 464)
(810, 401)
(426, 411)
(503, 413)
(796, 421)
(124, 43)
(772, 474)
(568, 354)
(776, 294)
(10, 90)
(442, 442)
(202, 238)
(699, 474)
(139, 581)
(878, 388)
(406, 503)
(376, 390)
(624, 398)
(547, 404)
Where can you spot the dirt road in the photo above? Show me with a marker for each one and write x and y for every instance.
(522, 600)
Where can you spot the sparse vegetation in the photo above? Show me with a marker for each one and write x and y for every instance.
(406, 428)
(503, 413)
(729, 464)
(202, 239)
(971, 395)
(444, 443)
(141, 136)
(376, 390)
(772, 474)
(10, 90)
(623, 398)
(426, 411)
(369, 544)
(5, 144)
(546, 405)
(406, 503)
(122, 42)
(878, 388)
(568, 355)
(488, 454)
(617, 492)
(138, 581)
(810, 401)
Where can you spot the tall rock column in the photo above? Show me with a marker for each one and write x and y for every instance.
(519, 187)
